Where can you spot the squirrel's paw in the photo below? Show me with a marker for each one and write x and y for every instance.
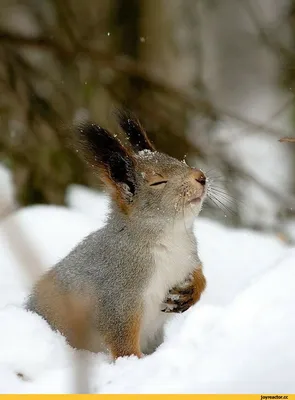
(180, 298)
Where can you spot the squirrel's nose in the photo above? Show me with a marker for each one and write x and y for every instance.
(199, 176)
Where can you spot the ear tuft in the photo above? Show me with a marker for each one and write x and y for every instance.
(104, 151)
(134, 131)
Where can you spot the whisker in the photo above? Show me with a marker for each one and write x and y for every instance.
(221, 205)
(221, 190)
(218, 189)
(219, 180)
(210, 170)
(213, 183)
(226, 196)
(225, 208)
(223, 194)
(212, 177)
(214, 202)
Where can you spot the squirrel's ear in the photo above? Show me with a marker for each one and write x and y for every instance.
(134, 131)
(103, 151)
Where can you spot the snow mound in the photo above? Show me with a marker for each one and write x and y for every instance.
(33, 239)
(88, 201)
(238, 339)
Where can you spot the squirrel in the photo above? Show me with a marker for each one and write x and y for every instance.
(116, 289)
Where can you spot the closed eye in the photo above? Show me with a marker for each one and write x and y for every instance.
(158, 183)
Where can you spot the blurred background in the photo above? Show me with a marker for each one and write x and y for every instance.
(211, 81)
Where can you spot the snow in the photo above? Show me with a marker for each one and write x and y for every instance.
(146, 154)
(238, 339)
(88, 202)
(31, 240)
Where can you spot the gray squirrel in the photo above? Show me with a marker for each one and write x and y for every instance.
(116, 289)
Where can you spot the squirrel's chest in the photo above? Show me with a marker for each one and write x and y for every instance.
(174, 258)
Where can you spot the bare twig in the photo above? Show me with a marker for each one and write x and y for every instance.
(287, 139)
(126, 65)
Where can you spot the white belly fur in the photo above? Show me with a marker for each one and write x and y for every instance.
(174, 260)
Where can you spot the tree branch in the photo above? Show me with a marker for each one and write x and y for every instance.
(125, 65)
(287, 139)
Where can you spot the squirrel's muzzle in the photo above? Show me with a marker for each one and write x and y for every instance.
(199, 176)
(197, 186)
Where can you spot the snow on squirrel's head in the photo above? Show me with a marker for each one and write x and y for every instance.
(142, 181)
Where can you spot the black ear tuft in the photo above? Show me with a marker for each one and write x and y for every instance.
(134, 131)
(104, 151)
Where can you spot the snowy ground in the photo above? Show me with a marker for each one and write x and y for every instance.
(239, 338)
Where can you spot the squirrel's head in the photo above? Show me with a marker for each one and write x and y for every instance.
(142, 181)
